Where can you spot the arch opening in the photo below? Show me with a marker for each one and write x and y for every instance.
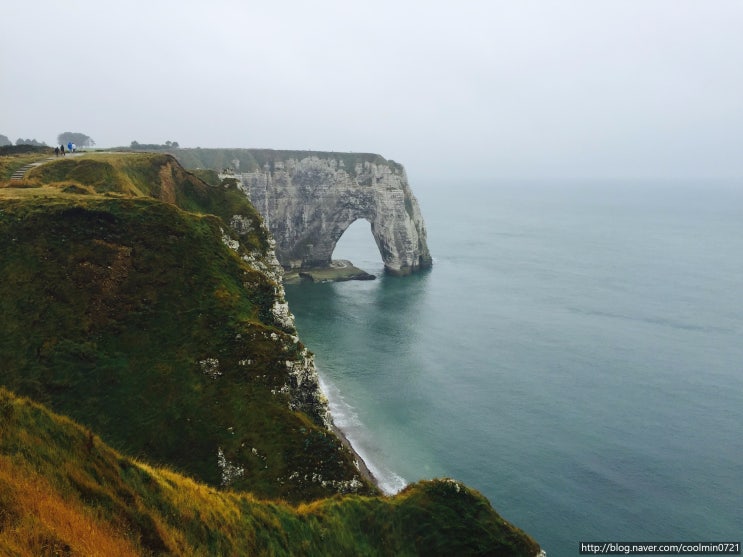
(358, 246)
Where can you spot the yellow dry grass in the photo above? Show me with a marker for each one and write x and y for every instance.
(39, 521)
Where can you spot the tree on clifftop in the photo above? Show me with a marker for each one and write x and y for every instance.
(79, 139)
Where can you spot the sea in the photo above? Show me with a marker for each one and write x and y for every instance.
(575, 354)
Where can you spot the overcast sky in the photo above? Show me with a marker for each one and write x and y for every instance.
(456, 89)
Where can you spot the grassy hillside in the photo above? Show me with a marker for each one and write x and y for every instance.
(151, 175)
(13, 157)
(64, 492)
(132, 316)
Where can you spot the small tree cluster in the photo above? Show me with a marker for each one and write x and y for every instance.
(79, 139)
(154, 146)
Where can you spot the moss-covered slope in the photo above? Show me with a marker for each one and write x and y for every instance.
(64, 492)
(157, 327)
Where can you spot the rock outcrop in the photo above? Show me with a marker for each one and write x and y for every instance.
(309, 203)
(309, 199)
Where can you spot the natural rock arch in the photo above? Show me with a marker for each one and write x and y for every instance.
(308, 203)
(353, 235)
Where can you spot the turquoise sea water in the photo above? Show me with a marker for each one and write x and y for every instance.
(575, 354)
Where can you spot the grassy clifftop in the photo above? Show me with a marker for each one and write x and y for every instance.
(145, 305)
(250, 160)
(157, 176)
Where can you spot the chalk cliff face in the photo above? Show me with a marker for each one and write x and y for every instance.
(309, 201)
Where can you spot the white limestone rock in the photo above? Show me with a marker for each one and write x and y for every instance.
(308, 203)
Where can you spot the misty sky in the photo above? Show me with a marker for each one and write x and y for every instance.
(454, 90)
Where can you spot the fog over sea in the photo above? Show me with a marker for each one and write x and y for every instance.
(575, 354)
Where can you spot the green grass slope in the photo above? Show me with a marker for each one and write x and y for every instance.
(132, 316)
(64, 492)
(158, 176)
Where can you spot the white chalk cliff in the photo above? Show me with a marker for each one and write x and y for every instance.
(309, 200)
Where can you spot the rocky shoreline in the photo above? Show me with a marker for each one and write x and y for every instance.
(366, 474)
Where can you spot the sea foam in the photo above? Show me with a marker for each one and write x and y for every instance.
(347, 420)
